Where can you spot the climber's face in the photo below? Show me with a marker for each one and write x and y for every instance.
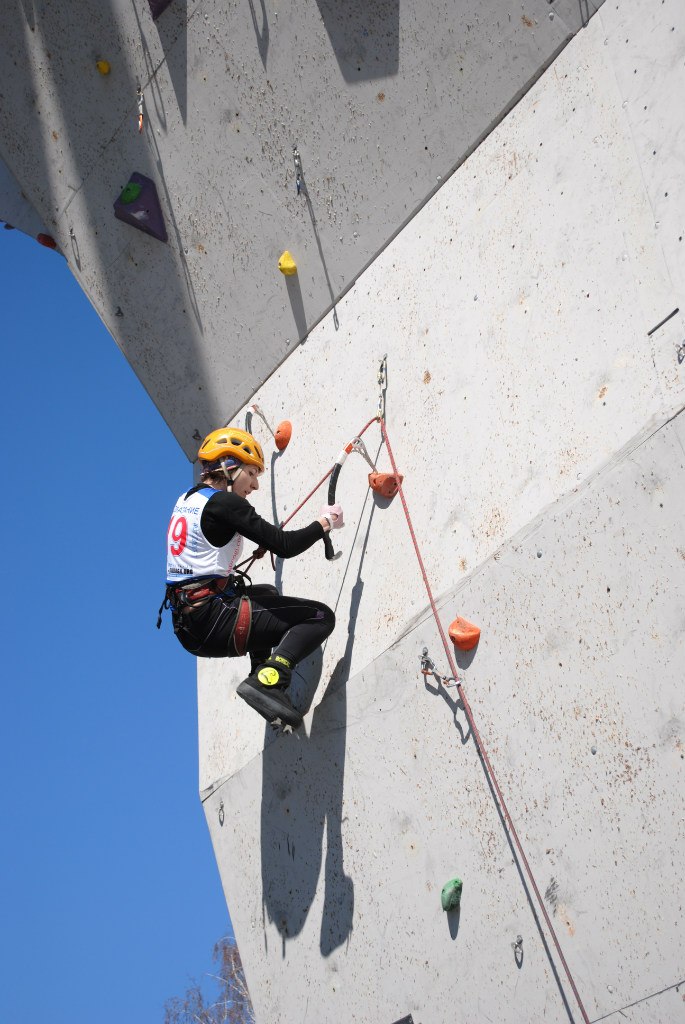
(245, 481)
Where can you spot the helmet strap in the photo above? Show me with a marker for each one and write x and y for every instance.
(229, 471)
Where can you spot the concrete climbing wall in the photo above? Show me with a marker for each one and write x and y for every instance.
(529, 306)
(334, 846)
(382, 99)
(530, 313)
(15, 209)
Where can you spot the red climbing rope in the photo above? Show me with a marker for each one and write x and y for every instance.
(476, 734)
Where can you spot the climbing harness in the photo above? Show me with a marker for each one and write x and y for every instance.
(243, 626)
(187, 597)
(180, 597)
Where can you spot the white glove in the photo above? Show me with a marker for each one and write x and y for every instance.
(334, 515)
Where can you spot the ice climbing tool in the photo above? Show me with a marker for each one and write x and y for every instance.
(385, 484)
(331, 554)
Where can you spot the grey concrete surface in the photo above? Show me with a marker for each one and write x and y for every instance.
(534, 405)
(516, 311)
(382, 99)
(530, 310)
(348, 831)
(15, 209)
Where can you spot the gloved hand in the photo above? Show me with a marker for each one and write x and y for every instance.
(334, 515)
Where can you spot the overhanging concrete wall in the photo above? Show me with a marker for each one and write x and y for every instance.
(383, 100)
(15, 208)
(530, 403)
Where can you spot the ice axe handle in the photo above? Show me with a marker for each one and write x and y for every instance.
(332, 484)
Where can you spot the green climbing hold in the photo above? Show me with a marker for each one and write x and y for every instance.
(130, 192)
(451, 894)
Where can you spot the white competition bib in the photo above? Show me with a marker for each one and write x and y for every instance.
(188, 552)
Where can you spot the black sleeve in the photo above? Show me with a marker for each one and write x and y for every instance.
(226, 514)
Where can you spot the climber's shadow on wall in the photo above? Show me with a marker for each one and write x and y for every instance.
(302, 788)
(365, 36)
(262, 33)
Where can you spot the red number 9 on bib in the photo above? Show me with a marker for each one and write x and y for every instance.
(179, 535)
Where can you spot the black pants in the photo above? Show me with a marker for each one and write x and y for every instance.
(294, 626)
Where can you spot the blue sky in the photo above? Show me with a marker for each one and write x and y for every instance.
(111, 899)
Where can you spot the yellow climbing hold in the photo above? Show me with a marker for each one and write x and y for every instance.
(287, 264)
(104, 67)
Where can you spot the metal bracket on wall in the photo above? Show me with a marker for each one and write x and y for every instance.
(428, 668)
(297, 160)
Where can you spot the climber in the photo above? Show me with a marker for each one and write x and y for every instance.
(215, 615)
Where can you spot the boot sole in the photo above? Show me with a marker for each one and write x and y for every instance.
(267, 706)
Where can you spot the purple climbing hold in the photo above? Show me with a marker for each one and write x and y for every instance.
(138, 205)
(157, 7)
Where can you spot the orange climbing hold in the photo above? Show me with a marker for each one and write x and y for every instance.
(385, 484)
(284, 431)
(464, 634)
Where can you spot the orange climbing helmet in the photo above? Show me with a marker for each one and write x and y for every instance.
(234, 443)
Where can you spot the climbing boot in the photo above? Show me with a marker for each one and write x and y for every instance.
(265, 691)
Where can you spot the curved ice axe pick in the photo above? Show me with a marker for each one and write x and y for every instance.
(332, 484)
(355, 445)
